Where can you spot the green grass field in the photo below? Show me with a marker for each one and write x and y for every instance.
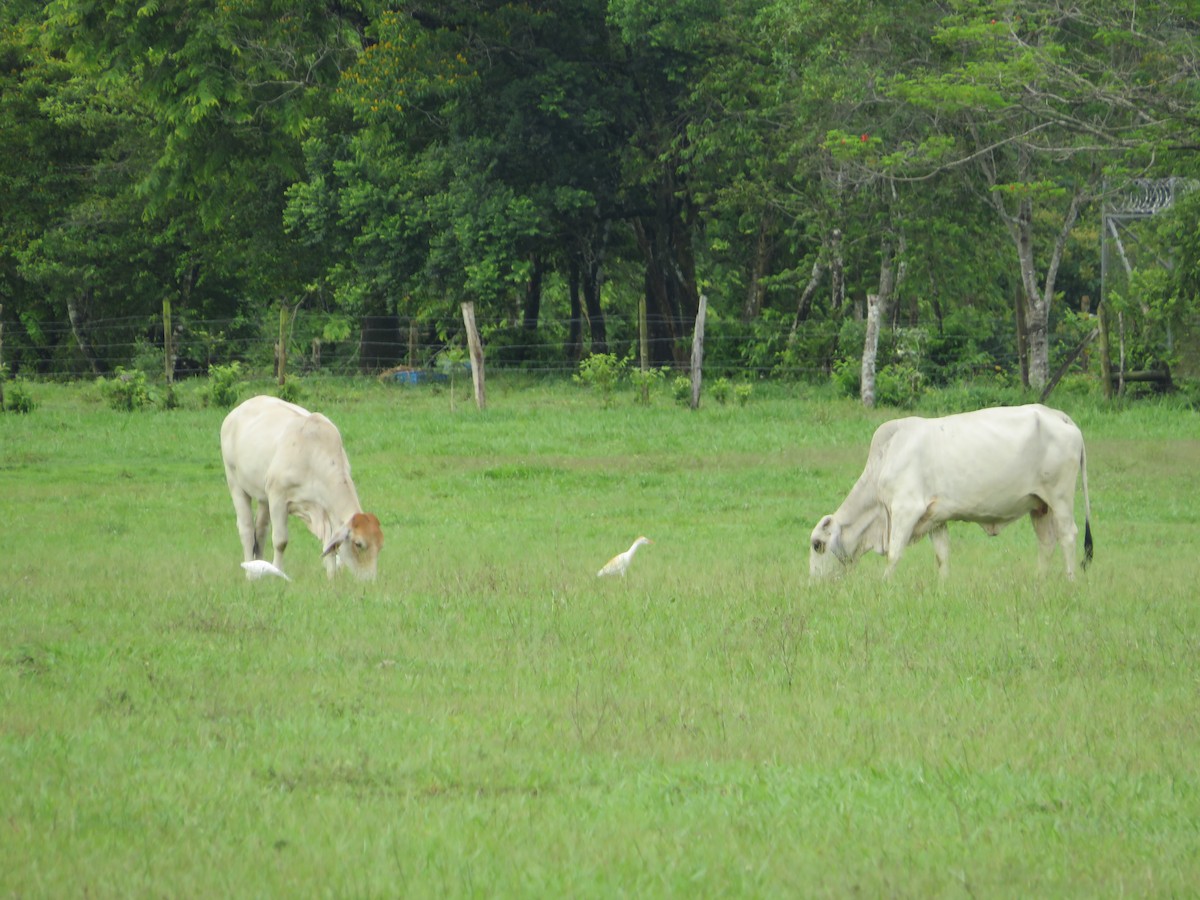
(489, 718)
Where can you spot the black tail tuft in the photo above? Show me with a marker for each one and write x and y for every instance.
(1087, 542)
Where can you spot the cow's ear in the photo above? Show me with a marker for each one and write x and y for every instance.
(339, 538)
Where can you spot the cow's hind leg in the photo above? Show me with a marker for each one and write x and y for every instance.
(1068, 532)
(1047, 529)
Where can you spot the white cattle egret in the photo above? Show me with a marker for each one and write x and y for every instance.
(619, 563)
(257, 568)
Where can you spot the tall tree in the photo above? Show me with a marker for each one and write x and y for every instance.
(480, 149)
(225, 89)
(671, 50)
(1044, 99)
(72, 225)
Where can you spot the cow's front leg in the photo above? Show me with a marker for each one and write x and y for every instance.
(245, 522)
(903, 520)
(261, 521)
(331, 562)
(279, 528)
(940, 538)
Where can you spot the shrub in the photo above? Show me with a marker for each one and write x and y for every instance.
(681, 389)
(601, 372)
(743, 392)
(291, 391)
(16, 398)
(223, 385)
(644, 381)
(720, 390)
(126, 391)
(847, 375)
(450, 362)
(898, 385)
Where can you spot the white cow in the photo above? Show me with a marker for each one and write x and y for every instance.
(991, 466)
(292, 462)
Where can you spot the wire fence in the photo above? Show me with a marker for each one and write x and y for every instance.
(769, 347)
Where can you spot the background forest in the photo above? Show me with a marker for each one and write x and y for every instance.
(932, 181)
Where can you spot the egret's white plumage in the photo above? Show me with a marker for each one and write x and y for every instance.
(620, 563)
(257, 568)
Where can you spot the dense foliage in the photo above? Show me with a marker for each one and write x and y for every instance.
(925, 181)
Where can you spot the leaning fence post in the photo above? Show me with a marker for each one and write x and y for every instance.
(468, 311)
(698, 351)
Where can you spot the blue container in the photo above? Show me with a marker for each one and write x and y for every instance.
(416, 376)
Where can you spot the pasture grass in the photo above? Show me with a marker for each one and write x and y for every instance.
(489, 718)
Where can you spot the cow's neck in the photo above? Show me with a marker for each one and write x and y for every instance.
(861, 521)
(344, 503)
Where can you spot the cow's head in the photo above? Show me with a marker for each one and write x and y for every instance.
(826, 555)
(357, 545)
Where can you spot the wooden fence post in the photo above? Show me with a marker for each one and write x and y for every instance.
(468, 310)
(644, 348)
(698, 351)
(168, 349)
(1105, 354)
(2, 376)
(282, 347)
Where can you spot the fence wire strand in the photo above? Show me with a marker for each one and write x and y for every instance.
(371, 344)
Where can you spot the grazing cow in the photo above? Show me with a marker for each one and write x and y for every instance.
(292, 462)
(991, 466)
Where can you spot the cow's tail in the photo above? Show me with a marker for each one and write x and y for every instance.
(1087, 510)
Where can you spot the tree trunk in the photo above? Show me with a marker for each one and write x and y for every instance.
(871, 349)
(672, 298)
(588, 268)
(756, 292)
(532, 308)
(879, 308)
(1022, 337)
(1037, 303)
(1037, 325)
(592, 279)
(77, 313)
(575, 326)
(837, 269)
(662, 303)
(810, 290)
(1037, 299)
